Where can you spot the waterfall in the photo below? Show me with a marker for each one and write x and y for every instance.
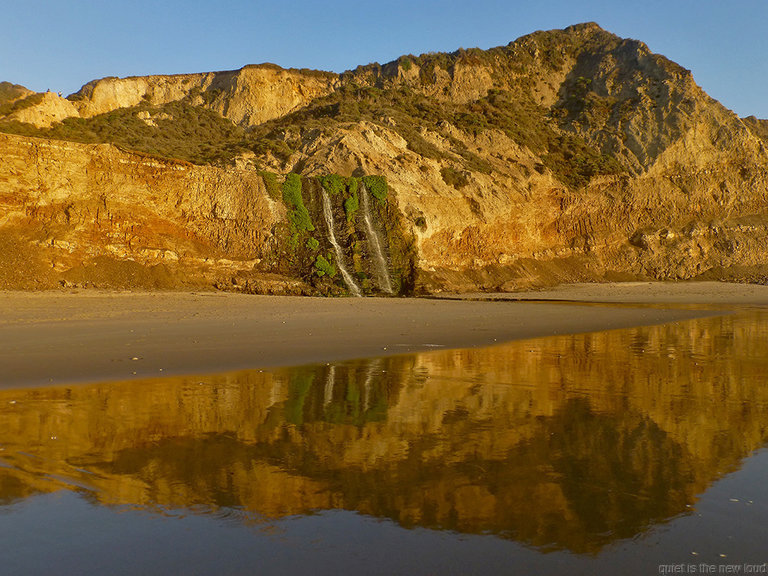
(373, 241)
(328, 213)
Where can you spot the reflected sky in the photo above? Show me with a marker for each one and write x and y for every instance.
(572, 444)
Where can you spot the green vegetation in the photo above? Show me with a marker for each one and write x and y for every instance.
(351, 206)
(377, 186)
(352, 202)
(300, 252)
(298, 215)
(323, 266)
(352, 185)
(312, 243)
(333, 184)
(182, 131)
(270, 181)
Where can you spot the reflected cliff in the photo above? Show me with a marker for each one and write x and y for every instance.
(566, 442)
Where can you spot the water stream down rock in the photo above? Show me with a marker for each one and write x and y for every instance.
(373, 241)
(328, 214)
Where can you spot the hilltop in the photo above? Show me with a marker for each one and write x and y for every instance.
(566, 155)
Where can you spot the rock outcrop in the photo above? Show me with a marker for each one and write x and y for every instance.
(94, 215)
(249, 96)
(568, 155)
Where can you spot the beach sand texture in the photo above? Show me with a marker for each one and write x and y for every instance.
(53, 338)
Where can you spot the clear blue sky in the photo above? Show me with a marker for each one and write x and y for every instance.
(62, 44)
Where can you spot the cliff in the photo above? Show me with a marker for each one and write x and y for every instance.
(566, 155)
(93, 215)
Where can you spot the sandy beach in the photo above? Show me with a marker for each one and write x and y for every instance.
(54, 338)
(717, 294)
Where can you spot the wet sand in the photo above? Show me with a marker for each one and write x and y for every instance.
(66, 338)
(694, 293)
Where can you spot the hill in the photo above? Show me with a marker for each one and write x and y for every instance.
(565, 155)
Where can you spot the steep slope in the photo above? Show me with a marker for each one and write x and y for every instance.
(566, 155)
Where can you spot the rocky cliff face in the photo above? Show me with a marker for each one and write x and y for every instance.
(248, 96)
(567, 155)
(93, 215)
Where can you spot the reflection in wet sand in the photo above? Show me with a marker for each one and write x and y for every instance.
(566, 442)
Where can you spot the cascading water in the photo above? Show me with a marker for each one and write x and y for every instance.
(328, 213)
(373, 241)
